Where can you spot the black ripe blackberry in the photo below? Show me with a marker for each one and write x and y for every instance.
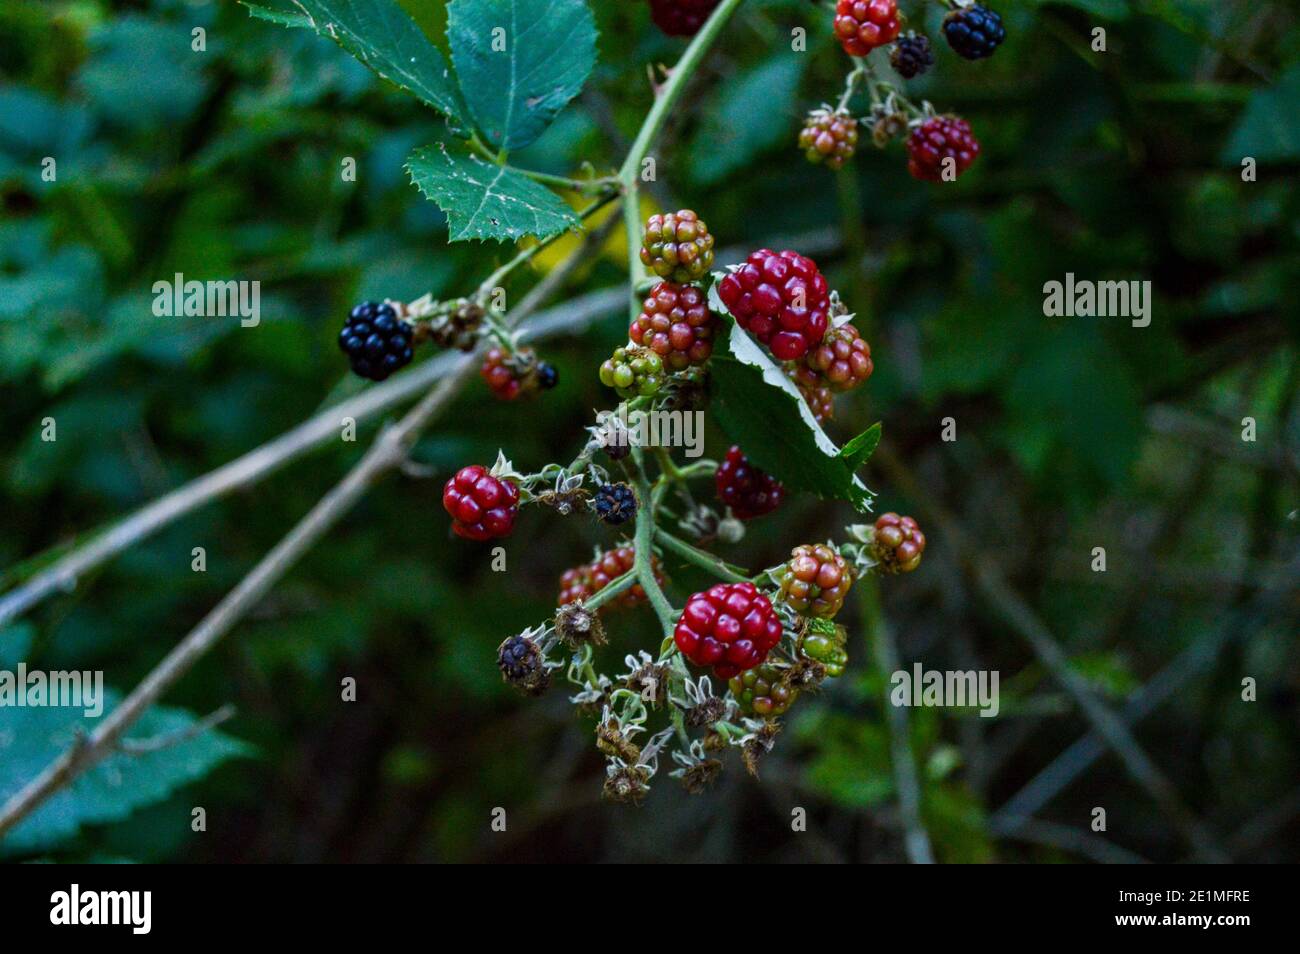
(911, 55)
(523, 666)
(615, 504)
(974, 32)
(375, 340)
(547, 376)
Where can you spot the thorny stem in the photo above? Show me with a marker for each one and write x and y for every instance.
(666, 97)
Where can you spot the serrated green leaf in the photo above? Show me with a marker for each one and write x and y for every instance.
(519, 62)
(760, 409)
(32, 737)
(483, 200)
(381, 35)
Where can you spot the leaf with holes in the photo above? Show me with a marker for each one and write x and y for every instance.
(486, 201)
(519, 62)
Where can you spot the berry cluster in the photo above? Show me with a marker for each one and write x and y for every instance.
(763, 691)
(897, 543)
(842, 361)
(633, 372)
(940, 148)
(615, 504)
(730, 627)
(911, 55)
(973, 32)
(863, 25)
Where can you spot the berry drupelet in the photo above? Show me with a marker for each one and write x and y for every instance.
(781, 299)
(748, 491)
(973, 32)
(375, 340)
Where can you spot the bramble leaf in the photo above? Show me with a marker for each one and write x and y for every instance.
(759, 408)
(31, 737)
(383, 36)
(519, 62)
(483, 200)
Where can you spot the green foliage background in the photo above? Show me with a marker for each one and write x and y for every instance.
(1072, 433)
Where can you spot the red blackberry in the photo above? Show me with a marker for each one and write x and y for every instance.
(748, 491)
(482, 507)
(863, 25)
(375, 340)
(829, 137)
(937, 139)
(842, 360)
(973, 32)
(897, 543)
(819, 398)
(677, 246)
(676, 324)
(510, 376)
(730, 626)
(584, 582)
(781, 299)
(911, 55)
(681, 17)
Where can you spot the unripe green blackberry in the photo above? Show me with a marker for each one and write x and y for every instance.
(816, 580)
(677, 246)
(830, 137)
(633, 372)
(826, 644)
(762, 692)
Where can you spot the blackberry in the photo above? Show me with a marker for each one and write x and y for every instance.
(730, 626)
(842, 360)
(973, 32)
(748, 491)
(911, 55)
(676, 324)
(375, 340)
(547, 376)
(677, 246)
(762, 691)
(815, 580)
(781, 299)
(937, 139)
(615, 504)
(633, 372)
(523, 666)
(830, 137)
(863, 25)
(897, 544)
(681, 17)
(459, 328)
(826, 644)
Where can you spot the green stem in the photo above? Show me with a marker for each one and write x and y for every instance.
(603, 185)
(667, 97)
(612, 589)
(705, 561)
(523, 255)
(645, 529)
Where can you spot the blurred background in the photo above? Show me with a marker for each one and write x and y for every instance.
(1072, 433)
